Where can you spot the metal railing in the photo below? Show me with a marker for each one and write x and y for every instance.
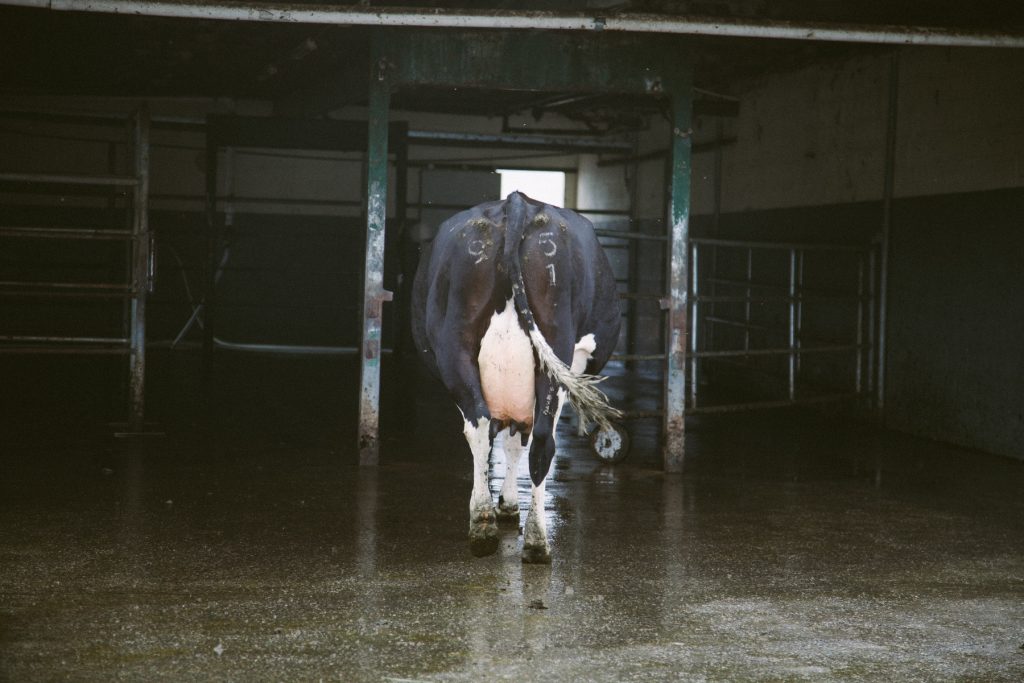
(790, 292)
(138, 269)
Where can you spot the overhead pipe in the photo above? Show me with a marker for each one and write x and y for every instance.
(298, 13)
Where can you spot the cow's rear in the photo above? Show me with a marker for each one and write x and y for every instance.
(515, 308)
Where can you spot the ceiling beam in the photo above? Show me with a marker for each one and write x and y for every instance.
(299, 13)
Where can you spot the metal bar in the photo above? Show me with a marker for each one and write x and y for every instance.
(888, 185)
(642, 414)
(401, 147)
(233, 201)
(66, 233)
(718, 320)
(603, 212)
(65, 294)
(740, 353)
(791, 379)
(287, 349)
(675, 376)
(699, 148)
(56, 179)
(716, 222)
(140, 275)
(803, 246)
(293, 13)
(752, 405)
(454, 165)
(858, 371)
(694, 324)
(624, 235)
(65, 350)
(748, 283)
(872, 341)
(708, 340)
(51, 339)
(401, 314)
(642, 296)
(799, 305)
(766, 285)
(112, 118)
(746, 304)
(567, 143)
(373, 288)
(633, 256)
(545, 141)
(637, 356)
(773, 299)
(85, 286)
(213, 257)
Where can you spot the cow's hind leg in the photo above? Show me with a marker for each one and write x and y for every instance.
(483, 520)
(542, 450)
(508, 499)
(536, 549)
(461, 377)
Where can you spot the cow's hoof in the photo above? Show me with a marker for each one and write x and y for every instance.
(508, 514)
(483, 534)
(483, 541)
(536, 554)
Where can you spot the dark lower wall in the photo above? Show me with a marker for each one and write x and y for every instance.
(956, 320)
(288, 279)
(955, 353)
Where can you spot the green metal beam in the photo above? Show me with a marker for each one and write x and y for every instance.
(373, 273)
(535, 61)
(675, 369)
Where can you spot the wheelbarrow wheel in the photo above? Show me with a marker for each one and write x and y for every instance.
(610, 444)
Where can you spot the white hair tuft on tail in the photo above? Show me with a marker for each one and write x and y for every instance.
(590, 403)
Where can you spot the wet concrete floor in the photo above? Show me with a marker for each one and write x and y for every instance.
(246, 545)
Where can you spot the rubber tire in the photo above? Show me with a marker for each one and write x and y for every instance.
(610, 445)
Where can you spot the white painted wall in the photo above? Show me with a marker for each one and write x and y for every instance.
(961, 121)
(177, 166)
(816, 135)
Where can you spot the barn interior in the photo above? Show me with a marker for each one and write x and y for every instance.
(813, 212)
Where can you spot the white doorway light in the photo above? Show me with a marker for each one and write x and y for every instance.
(544, 186)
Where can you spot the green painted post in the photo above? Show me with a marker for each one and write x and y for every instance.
(679, 216)
(373, 274)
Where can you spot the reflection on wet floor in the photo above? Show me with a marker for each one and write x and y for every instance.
(248, 545)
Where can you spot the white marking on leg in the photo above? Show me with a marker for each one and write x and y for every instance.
(478, 437)
(535, 534)
(513, 447)
(483, 522)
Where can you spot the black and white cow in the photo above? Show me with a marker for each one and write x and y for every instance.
(515, 309)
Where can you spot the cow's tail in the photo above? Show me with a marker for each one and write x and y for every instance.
(590, 402)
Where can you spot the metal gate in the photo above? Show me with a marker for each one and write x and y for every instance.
(796, 322)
